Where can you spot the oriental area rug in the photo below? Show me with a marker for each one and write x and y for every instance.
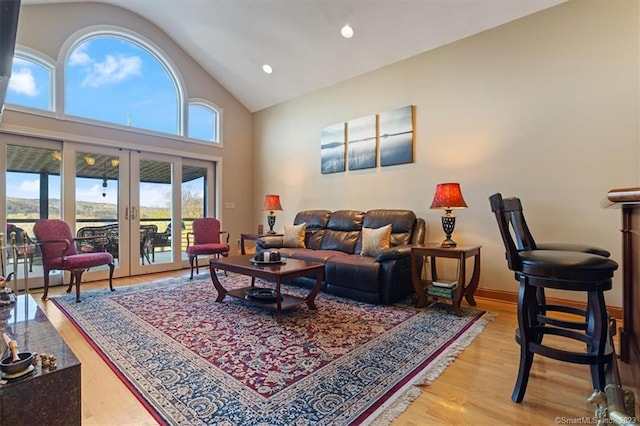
(193, 361)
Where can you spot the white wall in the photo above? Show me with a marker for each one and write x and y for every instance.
(544, 108)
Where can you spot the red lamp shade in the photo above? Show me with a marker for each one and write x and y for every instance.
(448, 196)
(271, 203)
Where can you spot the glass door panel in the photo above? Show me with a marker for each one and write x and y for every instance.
(193, 194)
(152, 211)
(33, 188)
(124, 193)
(97, 207)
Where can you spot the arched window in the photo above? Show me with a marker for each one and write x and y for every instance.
(31, 83)
(204, 122)
(118, 80)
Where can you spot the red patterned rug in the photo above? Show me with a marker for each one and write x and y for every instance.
(195, 361)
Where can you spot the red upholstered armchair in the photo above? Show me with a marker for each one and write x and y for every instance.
(59, 253)
(206, 240)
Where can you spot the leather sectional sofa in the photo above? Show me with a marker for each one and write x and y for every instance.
(335, 239)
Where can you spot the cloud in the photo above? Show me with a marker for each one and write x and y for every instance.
(113, 69)
(79, 56)
(23, 82)
(29, 187)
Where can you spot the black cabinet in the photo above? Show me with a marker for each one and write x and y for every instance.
(45, 396)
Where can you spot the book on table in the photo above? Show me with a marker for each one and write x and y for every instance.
(445, 292)
(445, 283)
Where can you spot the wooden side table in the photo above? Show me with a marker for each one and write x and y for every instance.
(433, 251)
(251, 237)
(248, 237)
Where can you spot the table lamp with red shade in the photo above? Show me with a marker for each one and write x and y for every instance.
(271, 204)
(448, 197)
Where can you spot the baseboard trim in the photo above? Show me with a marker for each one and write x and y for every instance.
(512, 297)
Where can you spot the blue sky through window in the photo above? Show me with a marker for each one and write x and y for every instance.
(30, 85)
(112, 79)
(200, 123)
(116, 81)
(27, 185)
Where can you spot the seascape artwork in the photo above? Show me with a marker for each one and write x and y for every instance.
(362, 141)
(332, 149)
(396, 136)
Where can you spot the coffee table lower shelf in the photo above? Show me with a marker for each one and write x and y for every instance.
(276, 273)
(286, 301)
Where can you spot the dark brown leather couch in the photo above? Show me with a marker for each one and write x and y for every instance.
(334, 238)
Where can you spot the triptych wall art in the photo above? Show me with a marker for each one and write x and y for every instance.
(384, 139)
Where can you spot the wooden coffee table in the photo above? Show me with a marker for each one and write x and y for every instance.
(289, 269)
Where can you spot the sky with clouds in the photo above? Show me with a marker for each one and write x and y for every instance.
(108, 79)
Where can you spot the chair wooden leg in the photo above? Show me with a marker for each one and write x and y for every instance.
(71, 280)
(78, 275)
(191, 265)
(597, 328)
(46, 285)
(527, 301)
(226, 273)
(111, 277)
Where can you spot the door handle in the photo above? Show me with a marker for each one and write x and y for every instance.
(133, 213)
(126, 212)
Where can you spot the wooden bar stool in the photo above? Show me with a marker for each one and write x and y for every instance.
(537, 270)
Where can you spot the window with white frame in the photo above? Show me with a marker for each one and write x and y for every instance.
(204, 122)
(31, 82)
(115, 79)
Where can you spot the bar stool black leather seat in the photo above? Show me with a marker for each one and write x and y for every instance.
(537, 270)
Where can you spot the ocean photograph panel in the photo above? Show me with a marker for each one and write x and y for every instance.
(396, 136)
(361, 148)
(332, 149)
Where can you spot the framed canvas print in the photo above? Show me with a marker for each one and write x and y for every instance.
(396, 136)
(332, 149)
(362, 143)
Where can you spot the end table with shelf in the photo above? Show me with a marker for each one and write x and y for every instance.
(252, 237)
(461, 253)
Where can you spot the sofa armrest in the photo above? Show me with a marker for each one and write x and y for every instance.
(396, 252)
(270, 241)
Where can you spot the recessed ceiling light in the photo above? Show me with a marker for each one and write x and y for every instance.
(267, 68)
(346, 31)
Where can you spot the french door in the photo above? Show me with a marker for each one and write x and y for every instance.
(150, 197)
(145, 202)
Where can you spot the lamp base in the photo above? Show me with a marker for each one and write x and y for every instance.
(448, 225)
(271, 220)
(448, 243)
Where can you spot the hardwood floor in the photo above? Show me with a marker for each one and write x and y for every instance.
(475, 389)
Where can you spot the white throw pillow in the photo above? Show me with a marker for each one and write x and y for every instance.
(374, 240)
(294, 235)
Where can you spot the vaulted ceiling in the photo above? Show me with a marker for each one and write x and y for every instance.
(301, 41)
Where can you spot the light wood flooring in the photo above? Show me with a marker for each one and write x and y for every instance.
(475, 389)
